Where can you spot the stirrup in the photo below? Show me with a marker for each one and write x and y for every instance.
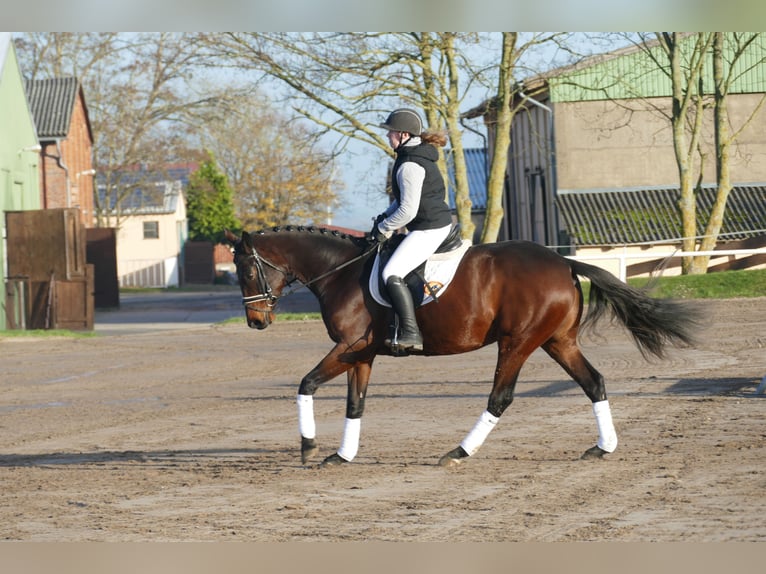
(396, 345)
(413, 347)
(393, 341)
(399, 351)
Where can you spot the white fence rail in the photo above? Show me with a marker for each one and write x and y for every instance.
(623, 256)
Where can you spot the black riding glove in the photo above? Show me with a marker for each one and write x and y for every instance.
(376, 235)
(380, 237)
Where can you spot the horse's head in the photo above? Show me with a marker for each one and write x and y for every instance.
(260, 280)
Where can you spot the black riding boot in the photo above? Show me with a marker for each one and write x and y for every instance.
(401, 300)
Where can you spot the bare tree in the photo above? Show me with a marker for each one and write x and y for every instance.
(686, 120)
(346, 82)
(725, 72)
(138, 88)
(503, 117)
(687, 58)
(276, 166)
(49, 55)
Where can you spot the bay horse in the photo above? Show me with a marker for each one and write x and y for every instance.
(517, 294)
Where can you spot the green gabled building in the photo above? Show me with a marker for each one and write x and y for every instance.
(19, 153)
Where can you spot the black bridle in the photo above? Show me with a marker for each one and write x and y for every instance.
(267, 293)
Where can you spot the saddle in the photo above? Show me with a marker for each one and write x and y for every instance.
(424, 284)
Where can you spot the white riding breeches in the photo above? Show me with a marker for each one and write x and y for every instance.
(416, 247)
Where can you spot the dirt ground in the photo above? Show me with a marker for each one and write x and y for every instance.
(191, 435)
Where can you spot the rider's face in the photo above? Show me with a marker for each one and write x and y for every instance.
(395, 139)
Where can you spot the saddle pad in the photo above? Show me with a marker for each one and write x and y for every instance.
(440, 269)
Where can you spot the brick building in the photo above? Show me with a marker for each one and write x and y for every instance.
(64, 131)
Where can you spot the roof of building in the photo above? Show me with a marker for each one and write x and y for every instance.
(8, 58)
(476, 167)
(651, 215)
(5, 44)
(153, 192)
(633, 72)
(52, 102)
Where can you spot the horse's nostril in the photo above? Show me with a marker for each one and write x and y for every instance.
(258, 324)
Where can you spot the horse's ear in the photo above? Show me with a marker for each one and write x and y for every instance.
(247, 241)
(230, 237)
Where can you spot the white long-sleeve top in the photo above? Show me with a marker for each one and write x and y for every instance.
(410, 177)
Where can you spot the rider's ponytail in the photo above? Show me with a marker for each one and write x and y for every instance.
(434, 138)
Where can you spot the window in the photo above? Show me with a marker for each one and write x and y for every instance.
(151, 230)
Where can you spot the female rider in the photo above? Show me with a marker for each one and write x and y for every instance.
(419, 206)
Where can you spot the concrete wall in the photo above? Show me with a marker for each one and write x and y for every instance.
(606, 144)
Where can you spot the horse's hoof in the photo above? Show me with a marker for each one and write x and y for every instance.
(333, 460)
(593, 452)
(453, 457)
(309, 448)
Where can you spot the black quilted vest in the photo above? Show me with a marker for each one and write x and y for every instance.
(433, 211)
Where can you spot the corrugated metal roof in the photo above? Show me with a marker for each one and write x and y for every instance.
(52, 102)
(645, 215)
(633, 73)
(476, 168)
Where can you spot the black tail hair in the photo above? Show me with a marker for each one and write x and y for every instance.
(653, 323)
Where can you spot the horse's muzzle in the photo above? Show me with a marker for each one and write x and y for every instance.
(260, 322)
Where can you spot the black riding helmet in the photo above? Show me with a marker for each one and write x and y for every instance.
(404, 120)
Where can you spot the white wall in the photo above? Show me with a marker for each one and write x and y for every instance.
(151, 262)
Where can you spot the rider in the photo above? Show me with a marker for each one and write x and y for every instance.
(419, 205)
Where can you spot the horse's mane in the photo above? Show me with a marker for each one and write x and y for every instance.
(357, 241)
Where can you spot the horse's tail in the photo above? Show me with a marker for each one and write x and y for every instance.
(653, 323)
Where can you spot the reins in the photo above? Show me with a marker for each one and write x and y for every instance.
(267, 293)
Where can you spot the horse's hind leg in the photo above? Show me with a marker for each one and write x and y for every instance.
(509, 364)
(567, 353)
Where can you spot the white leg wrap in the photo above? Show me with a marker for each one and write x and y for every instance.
(479, 432)
(607, 436)
(306, 424)
(350, 444)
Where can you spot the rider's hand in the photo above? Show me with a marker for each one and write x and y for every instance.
(381, 236)
(375, 234)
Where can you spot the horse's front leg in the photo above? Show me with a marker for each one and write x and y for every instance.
(328, 368)
(358, 378)
(337, 362)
